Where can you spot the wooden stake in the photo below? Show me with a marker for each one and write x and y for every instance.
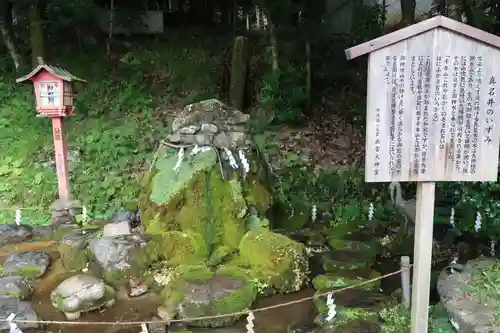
(61, 153)
(423, 257)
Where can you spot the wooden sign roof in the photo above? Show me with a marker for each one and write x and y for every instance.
(56, 71)
(419, 28)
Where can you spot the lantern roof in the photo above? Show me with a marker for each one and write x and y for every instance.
(56, 71)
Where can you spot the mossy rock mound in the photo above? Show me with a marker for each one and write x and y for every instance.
(204, 198)
(197, 291)
(275, 260)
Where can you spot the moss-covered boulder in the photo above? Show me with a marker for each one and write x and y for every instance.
(196, 290)
(204, 186)
(200, 199)
(275, 260)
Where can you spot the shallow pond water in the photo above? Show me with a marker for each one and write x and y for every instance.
(144, 308)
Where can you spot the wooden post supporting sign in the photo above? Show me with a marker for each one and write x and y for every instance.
(432, 115)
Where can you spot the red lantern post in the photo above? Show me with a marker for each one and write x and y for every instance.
(55, 99)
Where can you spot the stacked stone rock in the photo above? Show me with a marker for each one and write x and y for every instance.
(210, 123)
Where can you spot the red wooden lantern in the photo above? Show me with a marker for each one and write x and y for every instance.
(55, 99)
(53, 90)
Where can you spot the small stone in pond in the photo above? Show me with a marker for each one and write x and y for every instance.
(23, 310)
(13, 233)
(15, 286)
(137, 287)
(82, 293)
(27, 264)
(157, 326)
(164, 313)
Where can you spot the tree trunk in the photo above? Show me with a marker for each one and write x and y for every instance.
(239, 69)
(274, 41)
(37, 37)
(407, 12)
(454, 9)
(110, 27)
(7, 35)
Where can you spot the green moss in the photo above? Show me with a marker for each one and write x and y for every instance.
(367, 250)
(330, 265)
(218, 256)
(16, 294)
(275, 259)
(60, 232)
(346, 279)
(73, 258)
(186, 276)
(289, 220)
(174, 247)
(28, 272)
(345, 316)
(117, 277)
(205, 207)
(167, 183)
(239, 201)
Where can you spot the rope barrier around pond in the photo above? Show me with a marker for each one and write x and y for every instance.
(249, 313)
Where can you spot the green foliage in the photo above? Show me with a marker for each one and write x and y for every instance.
(169, 182)
(439, 321)
(469, 199)
(486, 287)
(284, 94)
(395, 320)
(119, 118)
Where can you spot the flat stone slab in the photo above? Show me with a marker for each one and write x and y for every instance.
(470, 314)
(27, 264)
(23, 310)
(15, 286)
(13, 233)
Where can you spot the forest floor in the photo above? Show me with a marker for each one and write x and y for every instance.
(122, 113)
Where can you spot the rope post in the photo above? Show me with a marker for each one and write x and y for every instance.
(405, 281)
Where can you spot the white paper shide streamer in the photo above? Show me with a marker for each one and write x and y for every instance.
(250, 325)
(244, 161)
(493, 245)
(232, 160)
(13, 326)
(144, 328)
(477, 223)
(452, 217)
(85, 214)
(17, 217)
(330, 303)
(314, 213)
(180, 157)
(371, 212)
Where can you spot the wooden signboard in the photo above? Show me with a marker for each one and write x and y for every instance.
(432, 115)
